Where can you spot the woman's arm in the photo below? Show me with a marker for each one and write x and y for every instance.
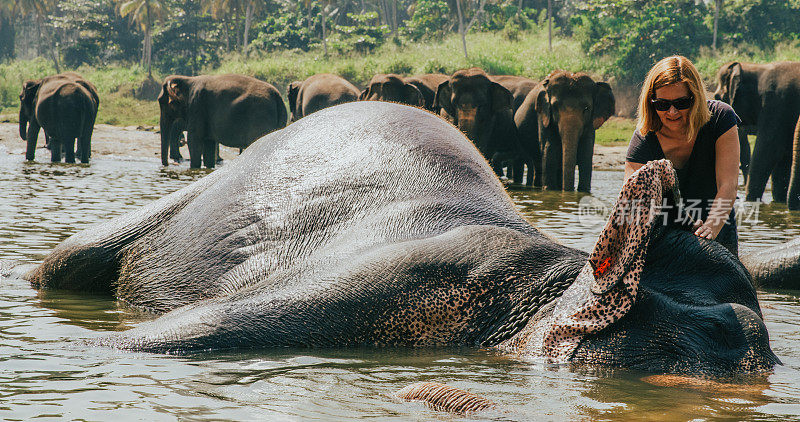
(631, 167)
(727, 168)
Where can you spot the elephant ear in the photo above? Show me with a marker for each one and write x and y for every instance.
(291, 92)
(443, 99)
(501, 98)
(603, 104)
(542, 105)
(29, 90)
(734, 80)
(413, 95)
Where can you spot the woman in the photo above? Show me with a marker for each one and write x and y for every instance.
(699, 137)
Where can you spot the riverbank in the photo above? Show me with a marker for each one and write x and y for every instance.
(144, 142)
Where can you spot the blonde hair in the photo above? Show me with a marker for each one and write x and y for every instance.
(668, 71)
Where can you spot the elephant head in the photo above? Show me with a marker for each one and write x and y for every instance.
(475, 104)
(173, 101)
(27, 99)
(570, 106)
(739, 88)
(392, 88)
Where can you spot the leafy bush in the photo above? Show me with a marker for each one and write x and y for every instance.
(760, 22)
(639, 33)
(429, 20)
(284, 32)
(363, 36)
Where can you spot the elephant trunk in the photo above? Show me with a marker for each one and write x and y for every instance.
(23, 124)
(166, 125)
(468, 123)
(570, 127)
(793, 197)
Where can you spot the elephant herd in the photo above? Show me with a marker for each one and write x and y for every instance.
(547, 126)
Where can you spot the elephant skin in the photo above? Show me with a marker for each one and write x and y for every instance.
(65, 106)
(427, 84)
(766, 96)
(392, 88)
(340, 232)
(776, 267)
(318, 92)
(560, 116)
(482, 109)
(519, 87)
(232, 110)
(793, 194)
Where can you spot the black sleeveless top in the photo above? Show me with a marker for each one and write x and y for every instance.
(697, 179)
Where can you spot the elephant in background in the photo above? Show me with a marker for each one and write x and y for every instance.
(397, 235)
(482, 109)
(317, 92)
(560, 116)
(776, 267)
(793, 195)
(232, 110)
(65, 106)
(519, 87)
(427, 84)
(767, 97)
(392, 88)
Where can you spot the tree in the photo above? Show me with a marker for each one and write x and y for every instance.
(464, 29)
(220, 8)
(144, 13)
(717, 6)
(8, 13)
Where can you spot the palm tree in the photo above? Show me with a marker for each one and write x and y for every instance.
(144, 13)
(220, 8)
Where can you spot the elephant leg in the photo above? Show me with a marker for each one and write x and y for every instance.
(780, 178)
(31, 138)
(517, 170)
(744, 152)
(210, 149)
(195, 151)
(55, 150)
(85, 144)
(793, 196)
(175, 147)
(585, 154)
(69, 149)
(767, 151)
(217, 155)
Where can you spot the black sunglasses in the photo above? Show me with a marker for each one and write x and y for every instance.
(682, 103)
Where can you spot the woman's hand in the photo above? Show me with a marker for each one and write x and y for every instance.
(706, 230)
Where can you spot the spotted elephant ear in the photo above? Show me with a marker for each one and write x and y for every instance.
(413, 95)
(443, 99)
(603, 104)
(607, 286)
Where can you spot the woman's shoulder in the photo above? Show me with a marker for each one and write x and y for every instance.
(722, 118)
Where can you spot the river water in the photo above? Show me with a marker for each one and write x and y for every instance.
(45, 372)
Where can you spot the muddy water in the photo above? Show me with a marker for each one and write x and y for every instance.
(46, 372)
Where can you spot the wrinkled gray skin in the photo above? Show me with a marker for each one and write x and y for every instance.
(232, 110)
(767, 97)
(317, 92)
(392, 88)
(776, 267)
(482, 109)
(378, 224)
(561, 116)
(427, 84)
(65, 106)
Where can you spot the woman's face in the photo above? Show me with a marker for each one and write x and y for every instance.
(673, 120)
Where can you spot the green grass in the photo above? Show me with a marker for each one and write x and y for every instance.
(615, 132)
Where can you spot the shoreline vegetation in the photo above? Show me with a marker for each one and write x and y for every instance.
(526, 55)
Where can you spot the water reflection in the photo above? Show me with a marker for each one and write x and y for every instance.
(45, 370)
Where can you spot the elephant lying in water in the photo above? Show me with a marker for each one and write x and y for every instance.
(390, 234)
